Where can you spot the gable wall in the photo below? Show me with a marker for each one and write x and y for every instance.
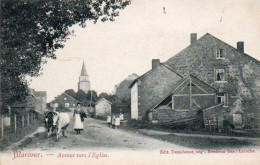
(200, 60)
(60, 100)
(152, 88)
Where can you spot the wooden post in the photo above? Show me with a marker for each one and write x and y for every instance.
(28, 119)
(14, 122)
(2, 130)
(22, 121)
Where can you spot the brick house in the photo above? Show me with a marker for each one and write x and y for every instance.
(64, 100)
(232, 72)
(103, 108)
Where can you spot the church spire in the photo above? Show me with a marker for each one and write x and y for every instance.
(83, 70)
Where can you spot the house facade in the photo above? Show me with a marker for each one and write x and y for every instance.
(187, 100)
(64, 100)
(103, 108)
(230, 70)
(212, 78)
(150, 88)
(41, 97)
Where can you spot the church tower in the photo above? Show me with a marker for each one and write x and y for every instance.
(84, 83)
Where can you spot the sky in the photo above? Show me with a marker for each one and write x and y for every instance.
(114, 50)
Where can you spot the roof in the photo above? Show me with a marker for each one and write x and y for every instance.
(103, 99)
(154, 85)
(252, 58)
(162, 64)
(198, 43)
(83, 70)
(40, 93)
(64, 93)
(130, 78)
(29, 101)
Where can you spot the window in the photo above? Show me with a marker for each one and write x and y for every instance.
(67, 104)
(222, 99)
(219, 54)
(65, 98)
(220, 75)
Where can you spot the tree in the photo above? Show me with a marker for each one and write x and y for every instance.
(71, 92)
(31, 32)
(92, 95)
(103, 95)
(81, 96)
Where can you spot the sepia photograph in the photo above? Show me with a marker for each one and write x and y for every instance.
(146, 82)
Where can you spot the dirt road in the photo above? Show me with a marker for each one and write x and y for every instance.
(97, 135)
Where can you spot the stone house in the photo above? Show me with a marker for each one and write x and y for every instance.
(163, 96)
(186, 100)
(150, 88)
(228, 80)
(231, 71)
(64, 100)
(103, 108)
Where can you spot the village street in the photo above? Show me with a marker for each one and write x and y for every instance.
(96, 135)
(99, 142)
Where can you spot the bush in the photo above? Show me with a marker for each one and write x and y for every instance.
(140, 124)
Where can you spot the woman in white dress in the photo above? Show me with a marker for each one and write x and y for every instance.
(78, 123)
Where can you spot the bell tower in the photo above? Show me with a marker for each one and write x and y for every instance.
(84, 83)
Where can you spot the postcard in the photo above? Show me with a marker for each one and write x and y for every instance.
(130, 82)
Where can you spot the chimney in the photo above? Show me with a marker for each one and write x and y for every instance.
(193, 38)
(155, 63)
(240, 46)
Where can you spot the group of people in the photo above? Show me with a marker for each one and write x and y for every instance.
(79, 114)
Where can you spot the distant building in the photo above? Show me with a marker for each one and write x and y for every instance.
(122, 89)
(103, 108)
(28, 104)
(64, 100)
(41, 98)
(84, 83)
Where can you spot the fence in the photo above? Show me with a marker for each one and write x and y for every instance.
(15, 123)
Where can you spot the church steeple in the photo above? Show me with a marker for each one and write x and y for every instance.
(84, 83)
(83, 70)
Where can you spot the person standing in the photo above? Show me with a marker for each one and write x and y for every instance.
(78, 123)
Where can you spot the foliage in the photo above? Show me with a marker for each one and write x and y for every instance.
(31, 32)
(110, 97)
(81, 96)
(71, 92)
(92, 95)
